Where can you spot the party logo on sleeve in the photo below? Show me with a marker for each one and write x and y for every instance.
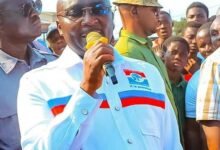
(137, 79)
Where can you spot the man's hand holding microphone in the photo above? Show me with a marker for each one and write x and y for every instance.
(97, 63)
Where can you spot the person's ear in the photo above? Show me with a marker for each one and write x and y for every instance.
(133, 11)
(59, 28)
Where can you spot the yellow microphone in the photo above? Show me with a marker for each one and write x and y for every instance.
(93, 38)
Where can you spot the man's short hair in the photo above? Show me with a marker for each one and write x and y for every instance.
(205, 26)
(198, 5)
(191, 24)
(171, 39)
(166, 13)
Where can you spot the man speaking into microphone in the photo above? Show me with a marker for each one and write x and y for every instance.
(72, 103)
(93, 38)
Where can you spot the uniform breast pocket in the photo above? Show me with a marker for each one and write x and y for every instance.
(152, 138)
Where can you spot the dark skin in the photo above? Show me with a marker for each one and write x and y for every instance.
(193, 134)
(190, 36)
(16, 31)
(193, 128)
(56, 42)
(74, 33)
(175, 59)
(215, 32)
(204, 43)
(164, 30)
(197, 14)
(133, 22)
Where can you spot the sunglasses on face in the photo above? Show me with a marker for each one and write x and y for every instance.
(27, 8)
(78, 12)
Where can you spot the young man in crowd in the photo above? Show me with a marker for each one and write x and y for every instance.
(193, 64)
(75, 105)
(19, 25)
(197, 12)
(208, 99)
(176, 51)
(164, 31)
(193, 129)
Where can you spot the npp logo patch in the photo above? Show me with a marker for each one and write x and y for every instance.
(136, 79)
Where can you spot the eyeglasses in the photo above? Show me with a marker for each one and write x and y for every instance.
(75, 14)
(27, 8)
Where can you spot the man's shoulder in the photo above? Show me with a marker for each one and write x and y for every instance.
(141, 64)
(122, 45)
(48, 56)
(130, 42)
(129, 48)
(43, 71)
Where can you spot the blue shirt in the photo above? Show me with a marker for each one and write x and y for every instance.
(11, 70)
(191, 95)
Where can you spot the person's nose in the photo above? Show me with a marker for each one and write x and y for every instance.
(177, 56)
(89, 18)
(209, 48)
(194, 40)
(162, 25)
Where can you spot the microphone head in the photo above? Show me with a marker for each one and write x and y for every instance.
(93, 36)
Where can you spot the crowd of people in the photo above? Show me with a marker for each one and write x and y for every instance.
(62, 96)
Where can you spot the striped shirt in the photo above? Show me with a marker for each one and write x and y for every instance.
(208, 96)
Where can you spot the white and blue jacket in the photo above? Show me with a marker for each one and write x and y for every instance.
(55, 114)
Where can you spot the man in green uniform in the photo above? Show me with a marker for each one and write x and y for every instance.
(140, 19)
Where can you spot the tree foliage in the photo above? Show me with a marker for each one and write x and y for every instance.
(179, 26)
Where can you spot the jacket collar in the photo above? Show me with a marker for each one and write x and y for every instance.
(8, 63)
(143, 41)
(69, 58)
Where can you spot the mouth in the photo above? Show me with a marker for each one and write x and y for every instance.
(193, 50)
(177, 64)
(61, 49)
(84, 34)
